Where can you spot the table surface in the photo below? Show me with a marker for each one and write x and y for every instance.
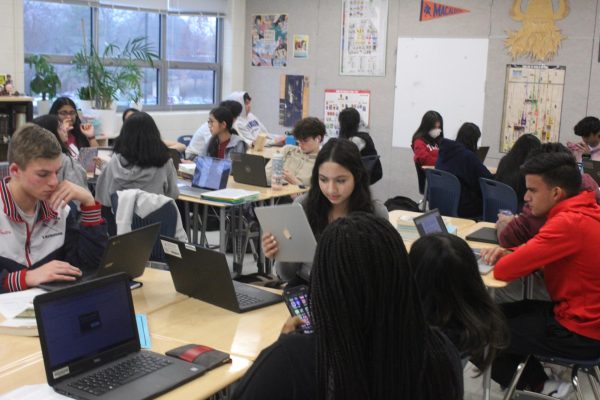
(489, 168)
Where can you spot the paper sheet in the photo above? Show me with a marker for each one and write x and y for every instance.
(33, 392)
(12, 304)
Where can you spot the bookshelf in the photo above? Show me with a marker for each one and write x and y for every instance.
(14, 111)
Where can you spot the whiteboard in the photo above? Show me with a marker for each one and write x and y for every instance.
(445, 75)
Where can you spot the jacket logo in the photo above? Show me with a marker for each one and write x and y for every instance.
(52, 235)
(5, 232)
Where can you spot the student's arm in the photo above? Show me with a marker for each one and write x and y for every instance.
(172, 144)
(520, 229)
(171, 188)
(553, 242)
(423, 154)
(24, 278)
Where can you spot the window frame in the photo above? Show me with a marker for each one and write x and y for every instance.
(163, 65)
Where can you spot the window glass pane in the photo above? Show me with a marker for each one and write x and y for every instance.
(53, 28)
(149, 89)
(187, 86)
(71, 80)
(192, 38)
(118, 26)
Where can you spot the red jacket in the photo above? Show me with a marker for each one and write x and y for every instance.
(567, 248)
(425, 154)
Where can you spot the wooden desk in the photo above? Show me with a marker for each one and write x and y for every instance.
(404, 215)
(266, 152)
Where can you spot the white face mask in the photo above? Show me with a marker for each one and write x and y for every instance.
(434, 133)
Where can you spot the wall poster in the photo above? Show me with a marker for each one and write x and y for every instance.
(269, 40)
(363, 38)
(532, 103)
(301, 46)
(293, 99)
(336, 100)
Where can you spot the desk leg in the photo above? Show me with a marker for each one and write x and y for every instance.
(195, 208)
(262, 265)
(487, 374)
(222, 244)
(203, 239)
(186, 211)
(236, 232)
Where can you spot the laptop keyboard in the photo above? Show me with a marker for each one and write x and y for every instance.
(246, 301)
(124, 372)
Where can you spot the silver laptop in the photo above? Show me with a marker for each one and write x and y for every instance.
(91, 347)
(203, 274)
(289, 225)
(210, 174)
(432, 222)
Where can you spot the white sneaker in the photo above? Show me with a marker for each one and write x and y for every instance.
(557, 389)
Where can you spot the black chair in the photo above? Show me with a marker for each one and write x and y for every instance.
(185, 139)
(497, 196)
(443, 192)
(420, 178)
(373, 166)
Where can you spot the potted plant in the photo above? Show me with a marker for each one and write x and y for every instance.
(111, 72)
(85, 97)
(45, 81)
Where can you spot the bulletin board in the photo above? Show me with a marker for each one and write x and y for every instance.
(445, 75)
(338, 99)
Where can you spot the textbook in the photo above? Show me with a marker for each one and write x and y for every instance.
(19, 327)
(232, 196)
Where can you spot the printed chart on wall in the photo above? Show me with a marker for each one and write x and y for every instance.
(364, 33)
(269, 40)
(337, 100)
(293, 99)
(532, 103)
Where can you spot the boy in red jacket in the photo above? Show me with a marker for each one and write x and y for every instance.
(569, 325)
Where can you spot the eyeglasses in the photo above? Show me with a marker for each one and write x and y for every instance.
(67, 113)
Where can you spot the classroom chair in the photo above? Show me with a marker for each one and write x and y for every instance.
(497, 196)
(185, 139)
(420, 178)
(589, 368)
(371, 163)
(4, 169)
(443, 192)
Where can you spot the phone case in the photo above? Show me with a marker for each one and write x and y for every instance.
(204, 356)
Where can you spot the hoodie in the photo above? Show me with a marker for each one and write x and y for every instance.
(455, 158)
(247, 125)
(565, 247)
(119, 175)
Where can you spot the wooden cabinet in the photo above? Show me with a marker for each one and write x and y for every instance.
(14, 111)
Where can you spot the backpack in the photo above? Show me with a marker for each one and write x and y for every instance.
(401, 203)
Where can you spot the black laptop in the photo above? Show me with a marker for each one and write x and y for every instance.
(91, 347)
(249, 169)
(204, 275)
(592, 168)
(482, 152)
(484, 235)
(128, 253)
(210, 174)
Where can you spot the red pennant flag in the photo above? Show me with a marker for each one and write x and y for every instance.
(432, 10)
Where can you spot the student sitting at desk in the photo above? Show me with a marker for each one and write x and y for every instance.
(247, 124)
(224, 139)
(455, 299)
(458, 157)
(371, 339)
(140, 161)
(172, 144)
(426, 139)
(339, 186)
(42, 240)
(569, 325)
(300, 160)
(589, 131)
(71, 169)
(79, 135)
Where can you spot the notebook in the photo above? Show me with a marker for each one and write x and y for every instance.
(432, 222)
(91, 348)
(210, 174)
(128, 253)
(204, 275)
(249, 169)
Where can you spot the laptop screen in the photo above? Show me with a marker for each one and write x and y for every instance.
(83, 324)
(211, 173)
(429, 223)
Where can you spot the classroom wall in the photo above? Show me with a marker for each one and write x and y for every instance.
(321, 19)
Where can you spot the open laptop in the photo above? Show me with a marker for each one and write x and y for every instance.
(482, 152)
(592, 168)
(91, 348)
(128, 253)
(484, 235)
(432, 222)
(289, 225)
(88, 155)
(210, 174)
(249, 169)
(204, 275)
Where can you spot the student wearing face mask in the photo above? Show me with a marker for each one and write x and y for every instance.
(425, 142)
(589, 131)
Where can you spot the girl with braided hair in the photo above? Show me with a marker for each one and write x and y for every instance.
(371, 339)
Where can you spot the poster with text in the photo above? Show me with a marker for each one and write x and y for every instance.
(293, 99)
(300, 46)
(269, 40)
(363, 37)
(336, 100)
(532, 103)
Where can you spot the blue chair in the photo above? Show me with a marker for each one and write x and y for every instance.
(443, 191)
(497, 196)
(590, 368)
(185, 139)
(420, 178)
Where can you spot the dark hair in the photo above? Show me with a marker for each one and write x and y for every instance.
(140, 143)
(468, 135)
(309, 127)
(234, 106)
(556, 169)
(247, 97)
(51, 123)
(80, 139)
(454, 297)
(349, 119)
(372, 339)
(430, 118)
(221, 114)
(317, 206)
(128, 110)
(587, 126)
(508, 169)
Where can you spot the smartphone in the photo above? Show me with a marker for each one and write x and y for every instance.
(297, 300)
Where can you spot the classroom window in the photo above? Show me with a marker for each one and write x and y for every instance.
(186, 76)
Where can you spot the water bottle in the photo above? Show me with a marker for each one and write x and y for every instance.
(290, 139)
(277, 171)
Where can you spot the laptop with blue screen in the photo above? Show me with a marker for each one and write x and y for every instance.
(91, 349)
(210, 174)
